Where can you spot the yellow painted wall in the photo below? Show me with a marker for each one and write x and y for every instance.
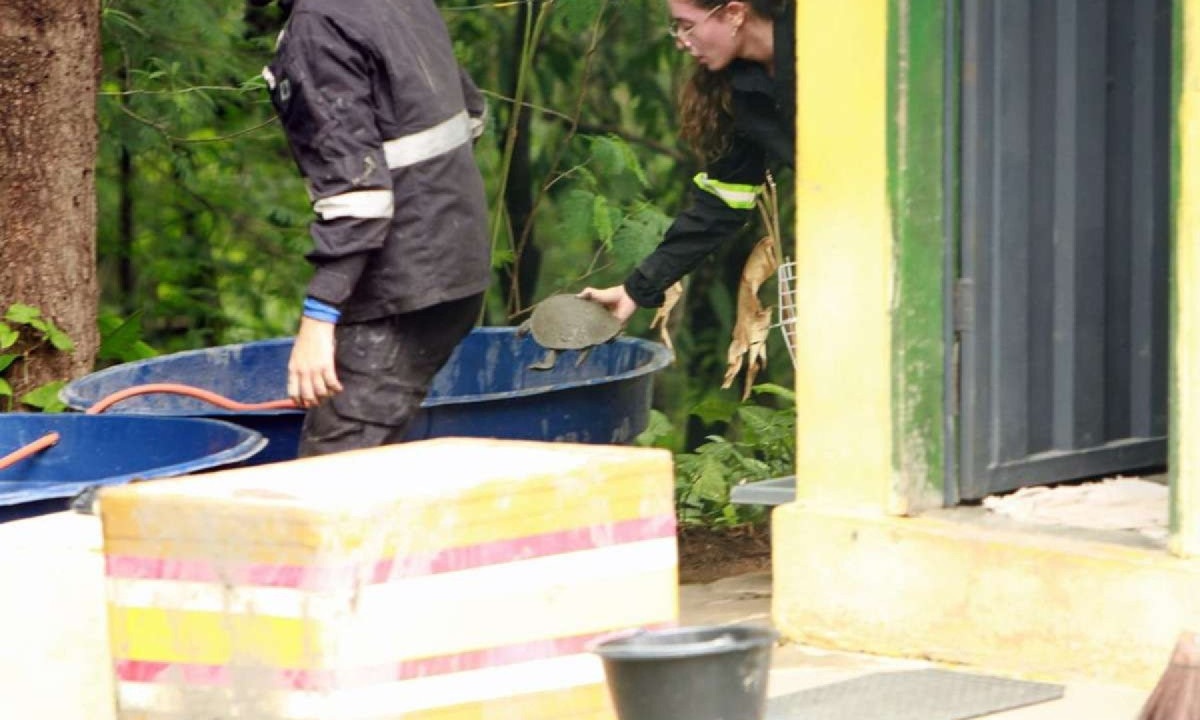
(1185, 386)
(843, 256)
(1043, 605)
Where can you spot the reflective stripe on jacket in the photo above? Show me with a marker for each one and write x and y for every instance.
(722, 197)
(380, 119)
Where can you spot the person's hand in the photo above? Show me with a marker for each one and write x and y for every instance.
(614, 298)
(311, 374)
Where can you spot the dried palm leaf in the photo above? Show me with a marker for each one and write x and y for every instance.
(756, 356)
(753, 324)
(671, 298)
(749, 343)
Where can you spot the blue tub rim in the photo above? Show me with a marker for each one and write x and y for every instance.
(660, 357)
(249, 443)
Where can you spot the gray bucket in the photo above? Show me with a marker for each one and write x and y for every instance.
(690, 673)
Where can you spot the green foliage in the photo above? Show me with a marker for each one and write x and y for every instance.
(202, 215)
(45, 397)
(601, 207)
(121, 339)
(759, 446)
(20, 314)
(8, 336)
(659, 432)
(24, 331)
(639, 233)
(578, 15)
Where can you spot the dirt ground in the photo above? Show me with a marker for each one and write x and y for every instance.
(707, 554)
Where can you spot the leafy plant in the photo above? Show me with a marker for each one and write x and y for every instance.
(760, 444)
(45, 397)
(602, 207)
(121, 339)
(23, 332)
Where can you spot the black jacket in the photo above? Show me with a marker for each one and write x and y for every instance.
(764, 115)
(380, 120)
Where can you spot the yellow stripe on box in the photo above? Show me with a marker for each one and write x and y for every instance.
(585, 703)
(187, 528)
(390, 540)
(421, 473)
(547, 611)
(213, 638)
(557, 688)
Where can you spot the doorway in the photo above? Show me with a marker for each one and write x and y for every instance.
(1060, 303)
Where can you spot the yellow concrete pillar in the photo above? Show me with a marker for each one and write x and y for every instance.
(1184, 439)
(843, 256)
(870, 249)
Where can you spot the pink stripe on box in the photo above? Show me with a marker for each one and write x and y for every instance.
(330, 577)
(138, 671)
(173, 673)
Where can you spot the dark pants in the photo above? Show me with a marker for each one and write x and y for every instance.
(385, 367)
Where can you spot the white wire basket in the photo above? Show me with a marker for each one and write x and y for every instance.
(786, 282)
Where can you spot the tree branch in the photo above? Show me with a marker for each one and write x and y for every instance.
(166, 131)
(184, 91)
(588, 129)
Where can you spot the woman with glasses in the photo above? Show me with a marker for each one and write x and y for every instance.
(738, 112)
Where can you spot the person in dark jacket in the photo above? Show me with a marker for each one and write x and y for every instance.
(738, 111)
(381, 120)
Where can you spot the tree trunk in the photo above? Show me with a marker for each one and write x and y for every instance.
(49, 68)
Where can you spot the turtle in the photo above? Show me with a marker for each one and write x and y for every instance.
(567, 322)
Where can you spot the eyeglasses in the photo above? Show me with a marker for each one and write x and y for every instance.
(684, 34)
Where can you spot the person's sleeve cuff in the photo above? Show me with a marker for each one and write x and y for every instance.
(642, 291)
(318, 310)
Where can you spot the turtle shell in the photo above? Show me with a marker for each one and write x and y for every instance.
(566, 322)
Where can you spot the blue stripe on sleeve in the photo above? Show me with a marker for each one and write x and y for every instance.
(318, 310)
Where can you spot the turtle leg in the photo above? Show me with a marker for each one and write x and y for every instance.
(583, 355)
(547, 362)
(523, 328)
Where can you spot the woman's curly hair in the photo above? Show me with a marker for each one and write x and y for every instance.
(705, 104)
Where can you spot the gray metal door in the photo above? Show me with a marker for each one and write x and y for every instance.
(1061, 305)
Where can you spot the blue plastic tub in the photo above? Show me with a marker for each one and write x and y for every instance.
(111, 450)
(485, 390)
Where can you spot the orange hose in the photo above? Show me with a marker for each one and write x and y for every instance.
(187, 390)
(21, 453)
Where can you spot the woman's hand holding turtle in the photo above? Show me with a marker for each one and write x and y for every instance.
(614, 298)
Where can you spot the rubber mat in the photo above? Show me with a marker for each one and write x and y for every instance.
(911, 695)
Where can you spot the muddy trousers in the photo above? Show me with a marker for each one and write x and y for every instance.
(386, 367)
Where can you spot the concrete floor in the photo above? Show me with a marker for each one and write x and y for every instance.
(747, 599)
(54, 661)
